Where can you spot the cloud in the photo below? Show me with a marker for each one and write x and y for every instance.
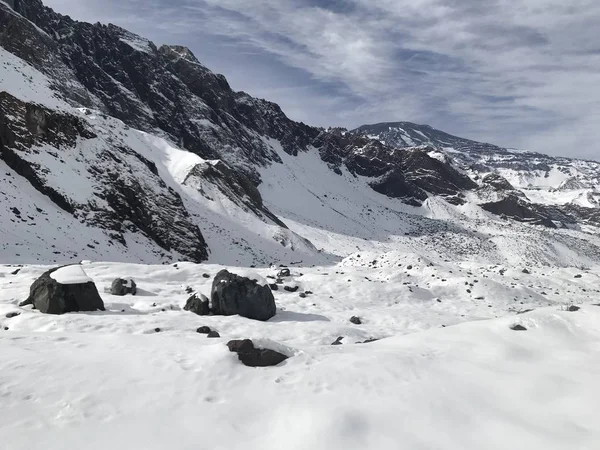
(521, 73)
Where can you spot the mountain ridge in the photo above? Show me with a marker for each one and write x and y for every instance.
(165, 126)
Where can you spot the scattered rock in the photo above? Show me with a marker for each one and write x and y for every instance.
(578, 275)
(409, 267)
(213, 334)
(439, 301)
(355, 320)
(205, 275)
(274, 287)
(526, 272)
(518, 328)
(198, 304)
(255, 357)
(573, 308)
(291, 289)
(232, 294)
(14, 272)
(368, 341)
(51, 297)
(284, 273)
(123, 287)
(302, 295)
(203, 330)
(525, 311)
(308, 292)
(10, 315)
(188, 290)
(338, 341)
(157, 330)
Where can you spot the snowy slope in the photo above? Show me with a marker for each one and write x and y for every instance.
(446, 374)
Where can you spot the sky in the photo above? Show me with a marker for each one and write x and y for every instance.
(518, 73)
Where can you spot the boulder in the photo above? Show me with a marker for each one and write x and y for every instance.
(290, 289)
(10, 315)
(526, 271)
(573, 308)
(203, 330)
(284, 273)
(255, 357)
(274, 287)
(198, 304)
(213, 334)
(65, 289)
(123, 287)
(518, 328)
(355, 320)
(232, 294)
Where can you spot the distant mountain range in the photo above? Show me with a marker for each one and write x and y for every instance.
(115, 148)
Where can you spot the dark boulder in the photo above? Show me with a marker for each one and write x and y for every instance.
(213, 334)
(232, 294)
(526, 271)
(10, 315)
(203, 330)
(123, 287)
(284, 273)
(291, 289)
(198, 304)
(355, 320)
(51, 297)
(573, 308)
(518, 328)
(255, 357)
(274, 287)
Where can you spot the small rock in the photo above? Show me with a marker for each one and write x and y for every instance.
(188, 290)
(205, 275)
(439, 301)
(302, 295)
(123, 287)
(255, 357)
(157, 330)
(369, 341)
(10, 315)
(518, 328)
(525, 311)
(338, 341)
(526, 272)
(578, 276)
(573, 308)
(274, 287)
(308, 292)
(409, 267)
(203, 330)
(291, 289)
(198, 304)
(355, 320)
(284, 273)
(213, 334)
(14, 272)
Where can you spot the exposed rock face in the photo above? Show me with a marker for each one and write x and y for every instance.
(51, 297)
(255, 357)
(232, 294)
(122, 287)
(129, 196)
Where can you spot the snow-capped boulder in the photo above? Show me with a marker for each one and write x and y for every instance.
(255, 357)
(232, 294)
(65, 289)
(123, 287)
(198, 304)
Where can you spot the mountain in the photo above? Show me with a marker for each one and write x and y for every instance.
(554, 191)
(116, 148)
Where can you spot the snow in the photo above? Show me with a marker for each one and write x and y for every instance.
(109, 380)
(70, 275)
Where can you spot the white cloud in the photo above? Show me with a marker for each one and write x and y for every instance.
(522, 73)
